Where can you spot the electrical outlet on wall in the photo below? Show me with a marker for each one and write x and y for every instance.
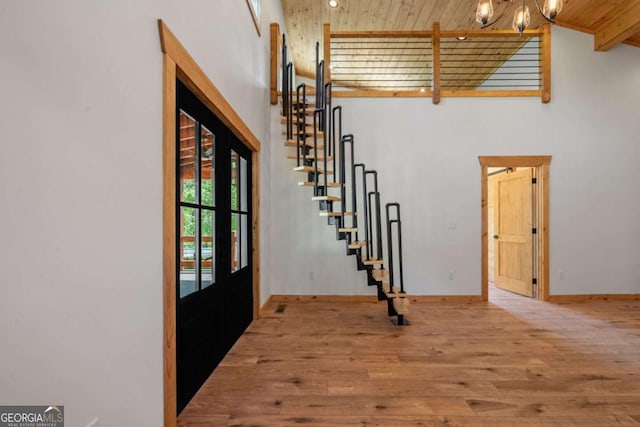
(451, 275)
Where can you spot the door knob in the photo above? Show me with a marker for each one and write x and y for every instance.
(495, 236)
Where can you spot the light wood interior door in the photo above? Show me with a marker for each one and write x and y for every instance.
(513, 238)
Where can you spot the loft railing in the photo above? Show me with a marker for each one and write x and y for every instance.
(439, 63)
(435, 63)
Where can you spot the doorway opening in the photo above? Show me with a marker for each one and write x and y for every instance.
(515, 224)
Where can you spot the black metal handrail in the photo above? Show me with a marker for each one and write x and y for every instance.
(285, 84)
(289, 100)
(301, 112)
(378, 222)
(347, 139)
(328, 100)
(335, 137)
(318, 113)
(378, 225)
(398, 223)
(365, 217)
(327, 136)
(320, 96)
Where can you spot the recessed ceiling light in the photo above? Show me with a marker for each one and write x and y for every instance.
(461, 38)
(333, 3)
(422, 89)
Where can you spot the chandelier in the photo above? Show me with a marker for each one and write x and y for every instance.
(521, 18)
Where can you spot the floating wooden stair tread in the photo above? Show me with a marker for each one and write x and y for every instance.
(385, 289)
(348, 230)
(357, 245)
(308, 112)
(295, 119)
(309, 169)
(308, 125)
(380, 275)
(310, 104)
(294, 156)
(325, 199)
(308, 131)
(320, 184)
(293, 143)
(372, 261)
(401, 305)
(325, 213)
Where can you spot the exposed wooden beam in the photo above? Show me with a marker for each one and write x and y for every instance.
(436, 63)
(545, 54)
(326, 49)
(623, 23)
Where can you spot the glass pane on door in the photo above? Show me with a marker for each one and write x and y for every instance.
(244, 256)
(207, 167)
(187, 253)
(235, 242)
(207, 248)
(187, 153)
(235, 175)
(243, 185)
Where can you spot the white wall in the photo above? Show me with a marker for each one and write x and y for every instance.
(81, 191)
(427, 157)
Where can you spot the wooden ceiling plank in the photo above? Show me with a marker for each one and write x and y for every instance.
(624, 23)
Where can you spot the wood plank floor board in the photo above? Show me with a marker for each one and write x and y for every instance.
(426, 421)
(512, 361)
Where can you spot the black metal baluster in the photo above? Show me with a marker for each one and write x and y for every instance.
(301, 137)
(365, 208)
(338, 137)
(285, 83)
(317, 115)
(327, 134)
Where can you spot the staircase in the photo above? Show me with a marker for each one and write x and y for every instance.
(346, 191)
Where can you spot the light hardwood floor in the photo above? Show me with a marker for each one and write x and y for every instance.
(512, 361)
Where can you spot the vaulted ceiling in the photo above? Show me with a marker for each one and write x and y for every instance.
(610, 21)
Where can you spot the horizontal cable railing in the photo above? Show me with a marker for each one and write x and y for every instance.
(364, 63)
(438, 63)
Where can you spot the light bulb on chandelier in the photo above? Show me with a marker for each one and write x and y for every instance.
(521, 18)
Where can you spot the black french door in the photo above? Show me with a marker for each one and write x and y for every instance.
(214, 291)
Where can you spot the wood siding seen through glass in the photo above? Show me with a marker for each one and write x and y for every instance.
(196, 183)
